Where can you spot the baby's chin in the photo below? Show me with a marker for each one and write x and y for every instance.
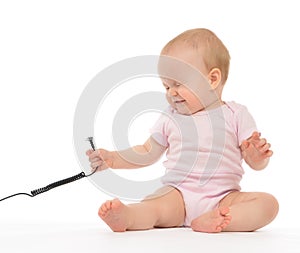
(184, 110)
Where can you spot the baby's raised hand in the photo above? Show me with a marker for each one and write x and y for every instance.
(256, 151)
(99, 159)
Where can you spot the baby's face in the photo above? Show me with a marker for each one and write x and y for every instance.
(188, 90)
(181, 98)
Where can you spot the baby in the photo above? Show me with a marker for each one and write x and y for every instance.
(204, 160)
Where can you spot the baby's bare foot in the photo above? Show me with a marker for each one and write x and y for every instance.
(212, 222)
(115, 215)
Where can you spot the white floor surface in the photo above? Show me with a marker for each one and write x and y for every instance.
(89, 238)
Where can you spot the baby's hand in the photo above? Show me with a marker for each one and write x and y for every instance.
(100, 159)
(256, 151)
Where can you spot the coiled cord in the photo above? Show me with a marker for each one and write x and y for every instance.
(58, 183)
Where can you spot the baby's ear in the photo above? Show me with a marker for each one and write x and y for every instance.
(214, 77)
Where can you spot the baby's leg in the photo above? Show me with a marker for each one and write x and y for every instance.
(249, 210)
(166, 210)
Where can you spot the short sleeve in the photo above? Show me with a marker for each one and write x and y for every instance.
(158, 131)
(245, 124)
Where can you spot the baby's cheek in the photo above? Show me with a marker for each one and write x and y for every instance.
(170, 101)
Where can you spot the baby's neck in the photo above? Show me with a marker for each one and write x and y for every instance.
(214, 105)
(211, 106)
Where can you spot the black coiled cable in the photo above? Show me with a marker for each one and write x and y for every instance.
(58, 183)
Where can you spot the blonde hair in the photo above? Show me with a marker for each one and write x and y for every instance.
(212, 49)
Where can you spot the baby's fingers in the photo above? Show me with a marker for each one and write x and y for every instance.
(245, 144)
(269, 153)
(94, 154)
(264, 148)
(255, 136)
(95, 159)
(261, 142)
(89, 152)
(97, 164)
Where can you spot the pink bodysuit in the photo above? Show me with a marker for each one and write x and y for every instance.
(204, 161)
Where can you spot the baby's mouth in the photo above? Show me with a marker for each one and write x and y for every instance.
(179, 101)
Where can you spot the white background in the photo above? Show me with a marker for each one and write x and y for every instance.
(49, 51)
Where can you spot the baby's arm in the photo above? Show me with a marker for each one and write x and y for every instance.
(256, 151)
(131, 158)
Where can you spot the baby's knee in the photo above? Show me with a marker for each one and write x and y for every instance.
(270, 205)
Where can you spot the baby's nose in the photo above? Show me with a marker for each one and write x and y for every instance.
(172, 92)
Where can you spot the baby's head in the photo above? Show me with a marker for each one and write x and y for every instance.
(207, 47)
(205, 52)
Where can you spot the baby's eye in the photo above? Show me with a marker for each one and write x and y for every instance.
(166, 86)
